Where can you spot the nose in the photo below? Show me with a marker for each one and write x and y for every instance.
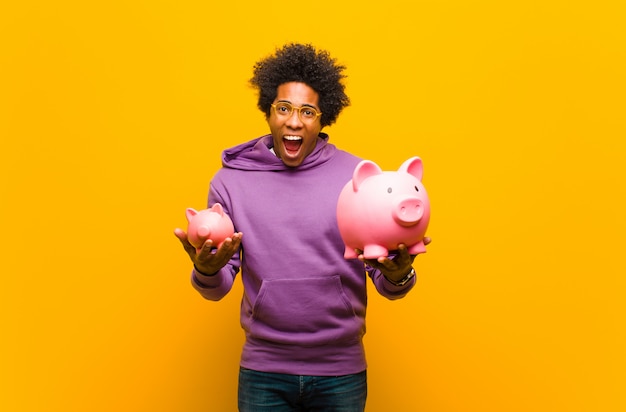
(294, 119)
(408, 211)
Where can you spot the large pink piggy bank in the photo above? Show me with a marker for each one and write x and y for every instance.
(206, 224)
(377, 210)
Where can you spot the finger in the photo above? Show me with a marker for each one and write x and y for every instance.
(402, 250)
(237, 239)
(374, 264)
(223, 254)
(377, 263)
(182, 237)
(206, 249)
(387, 264)
(180, 234)
(384, 260)
(404, 257)
(231, 244)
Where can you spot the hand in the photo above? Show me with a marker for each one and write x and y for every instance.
(207, 260)
(393, 269)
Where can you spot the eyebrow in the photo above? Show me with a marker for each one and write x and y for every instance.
(304, 105)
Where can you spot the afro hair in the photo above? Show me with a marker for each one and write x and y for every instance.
(302, 63)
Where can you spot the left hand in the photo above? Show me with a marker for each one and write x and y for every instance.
(394, 269)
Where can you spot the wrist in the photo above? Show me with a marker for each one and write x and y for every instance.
(202, 272)
(403, 281)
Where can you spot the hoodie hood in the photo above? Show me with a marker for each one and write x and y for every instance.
(256, 155)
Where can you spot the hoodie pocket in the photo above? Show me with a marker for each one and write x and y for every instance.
(305, 312)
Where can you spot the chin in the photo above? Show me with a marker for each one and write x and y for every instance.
(292, 164)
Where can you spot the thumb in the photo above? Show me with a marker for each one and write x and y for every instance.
(180, 234)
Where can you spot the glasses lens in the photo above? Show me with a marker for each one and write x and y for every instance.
(283, 109)
(308, 113)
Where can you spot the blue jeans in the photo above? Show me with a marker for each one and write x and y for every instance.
(277, 392)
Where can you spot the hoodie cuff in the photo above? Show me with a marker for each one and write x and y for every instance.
(204, 280)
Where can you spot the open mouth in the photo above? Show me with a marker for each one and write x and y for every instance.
(292, 144)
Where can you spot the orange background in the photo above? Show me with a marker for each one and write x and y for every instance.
(112, 119)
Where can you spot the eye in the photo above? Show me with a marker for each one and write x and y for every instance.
(417, 189)
(389, 190)
(282, 108)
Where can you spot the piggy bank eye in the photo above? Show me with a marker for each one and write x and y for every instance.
(389, 190)
(417, 189)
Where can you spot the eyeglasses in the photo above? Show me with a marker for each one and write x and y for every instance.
(306, 114)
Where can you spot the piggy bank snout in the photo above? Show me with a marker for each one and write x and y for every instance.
(204, 231)
(408, 211)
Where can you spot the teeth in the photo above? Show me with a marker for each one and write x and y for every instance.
(293, 138)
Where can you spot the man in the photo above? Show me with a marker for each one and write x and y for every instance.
(303, 308)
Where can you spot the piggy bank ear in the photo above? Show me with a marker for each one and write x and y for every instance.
(190, 213)
(363, 170)
(217, 208)
(413, 166)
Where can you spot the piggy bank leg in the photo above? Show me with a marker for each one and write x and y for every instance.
(374, 251)
(417, 248)
(350, 253)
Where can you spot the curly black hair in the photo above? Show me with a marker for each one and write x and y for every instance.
(302, 63)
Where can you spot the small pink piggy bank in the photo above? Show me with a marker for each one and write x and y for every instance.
(377, 210)
(206, 224)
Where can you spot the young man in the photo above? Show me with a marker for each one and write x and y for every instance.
(303, 308)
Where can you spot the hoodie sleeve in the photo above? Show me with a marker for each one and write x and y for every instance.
(386, 288)
(216, 286)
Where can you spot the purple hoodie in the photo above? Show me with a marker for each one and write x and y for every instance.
(303, 308)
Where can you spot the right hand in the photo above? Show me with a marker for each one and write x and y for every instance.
(206, 260)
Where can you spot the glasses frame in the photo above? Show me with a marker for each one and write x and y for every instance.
(299, 109)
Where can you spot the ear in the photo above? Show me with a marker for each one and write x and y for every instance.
(363, 170)
(217, 208)
(413, 166)
(190, 213)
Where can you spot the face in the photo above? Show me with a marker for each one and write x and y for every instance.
(294, 139)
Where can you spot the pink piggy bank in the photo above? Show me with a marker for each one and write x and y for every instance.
(206, 224)
(377, 210)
